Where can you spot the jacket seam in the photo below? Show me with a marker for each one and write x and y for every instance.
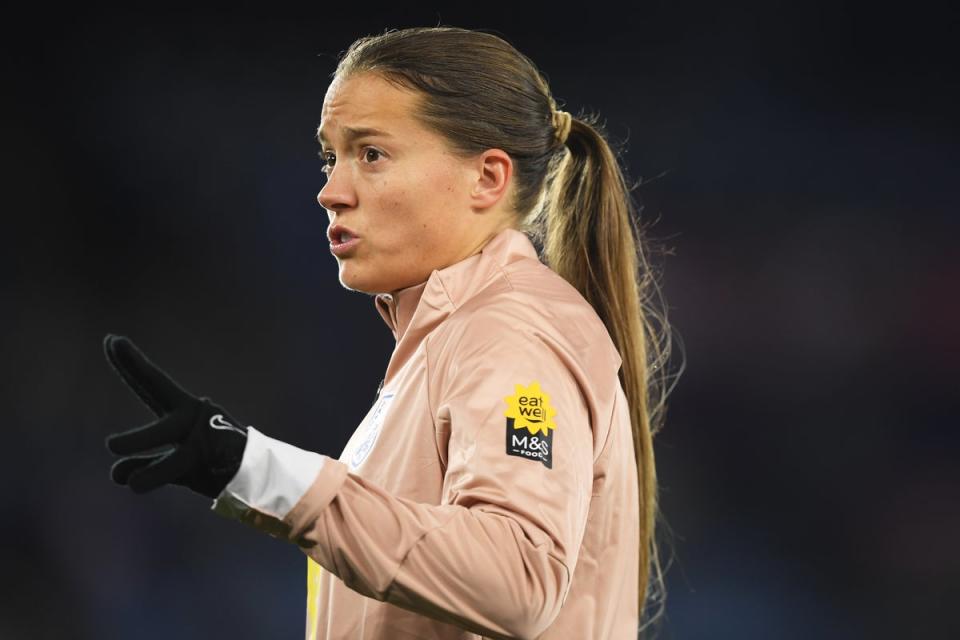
(430, 405)
(506, 276)
(426, 339)
(613, 417)
(393, 578)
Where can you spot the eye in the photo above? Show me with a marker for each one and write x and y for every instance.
(370, 151)
(329, 159)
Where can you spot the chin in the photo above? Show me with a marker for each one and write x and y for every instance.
(353, 281)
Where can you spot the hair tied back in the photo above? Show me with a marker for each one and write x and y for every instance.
(561, 123)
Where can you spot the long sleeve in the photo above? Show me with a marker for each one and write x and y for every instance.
(502, 561)
(272, 477)
(496, 556)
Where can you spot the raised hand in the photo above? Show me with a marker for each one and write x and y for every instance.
(203, 444)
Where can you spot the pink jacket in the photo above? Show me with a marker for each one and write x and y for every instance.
(491, 490)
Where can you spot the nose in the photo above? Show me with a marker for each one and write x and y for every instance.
(337, 193)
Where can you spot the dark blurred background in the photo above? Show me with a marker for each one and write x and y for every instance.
(798, 164)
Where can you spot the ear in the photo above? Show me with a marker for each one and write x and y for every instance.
(492, 179)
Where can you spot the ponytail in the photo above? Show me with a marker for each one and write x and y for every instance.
(591, 238)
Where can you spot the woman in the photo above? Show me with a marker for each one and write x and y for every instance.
(503, 483)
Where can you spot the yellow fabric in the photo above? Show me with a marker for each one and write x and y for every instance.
(313, 591)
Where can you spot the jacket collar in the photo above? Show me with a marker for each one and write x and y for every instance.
(417, 309)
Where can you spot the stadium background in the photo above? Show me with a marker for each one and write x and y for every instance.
(799, 162)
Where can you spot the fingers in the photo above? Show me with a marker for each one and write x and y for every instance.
(170, 430)
(121, 469)
(154, 387)
(168, 468)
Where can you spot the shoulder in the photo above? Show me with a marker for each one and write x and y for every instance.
(529, 298)
(528, 311)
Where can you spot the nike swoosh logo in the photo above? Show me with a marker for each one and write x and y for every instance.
(217, 422)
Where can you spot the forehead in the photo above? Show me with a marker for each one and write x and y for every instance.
(366, 101)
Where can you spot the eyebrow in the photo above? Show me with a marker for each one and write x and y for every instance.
(353, 133)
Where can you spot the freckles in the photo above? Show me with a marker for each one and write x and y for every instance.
(392, 201)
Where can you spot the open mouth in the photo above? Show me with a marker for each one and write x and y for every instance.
(340, 235)
(342, 241)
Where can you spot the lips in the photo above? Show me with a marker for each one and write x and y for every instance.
(343, 241)
(338, 234)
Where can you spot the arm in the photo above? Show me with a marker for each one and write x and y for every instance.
(496, 556)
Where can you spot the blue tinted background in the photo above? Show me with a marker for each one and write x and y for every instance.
(799, 166)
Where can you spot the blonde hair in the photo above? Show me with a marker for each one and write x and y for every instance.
(571, 197)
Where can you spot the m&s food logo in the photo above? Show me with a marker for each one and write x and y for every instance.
(530, 424)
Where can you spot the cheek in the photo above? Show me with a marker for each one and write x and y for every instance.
(405, 216)
(413, 216)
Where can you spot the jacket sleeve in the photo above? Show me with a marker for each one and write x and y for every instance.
(496, 556)
(272, 476)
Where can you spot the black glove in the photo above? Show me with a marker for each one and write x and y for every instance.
(207, 444)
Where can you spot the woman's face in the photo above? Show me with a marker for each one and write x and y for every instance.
(394, 184)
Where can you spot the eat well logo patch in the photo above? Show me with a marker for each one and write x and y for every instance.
(530, 424)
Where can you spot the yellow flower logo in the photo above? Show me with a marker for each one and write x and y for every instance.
(530, 409)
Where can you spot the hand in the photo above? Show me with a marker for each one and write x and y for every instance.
(207, 444)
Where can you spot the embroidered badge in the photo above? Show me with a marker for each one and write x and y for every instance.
(530, 424)
(366, 435)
